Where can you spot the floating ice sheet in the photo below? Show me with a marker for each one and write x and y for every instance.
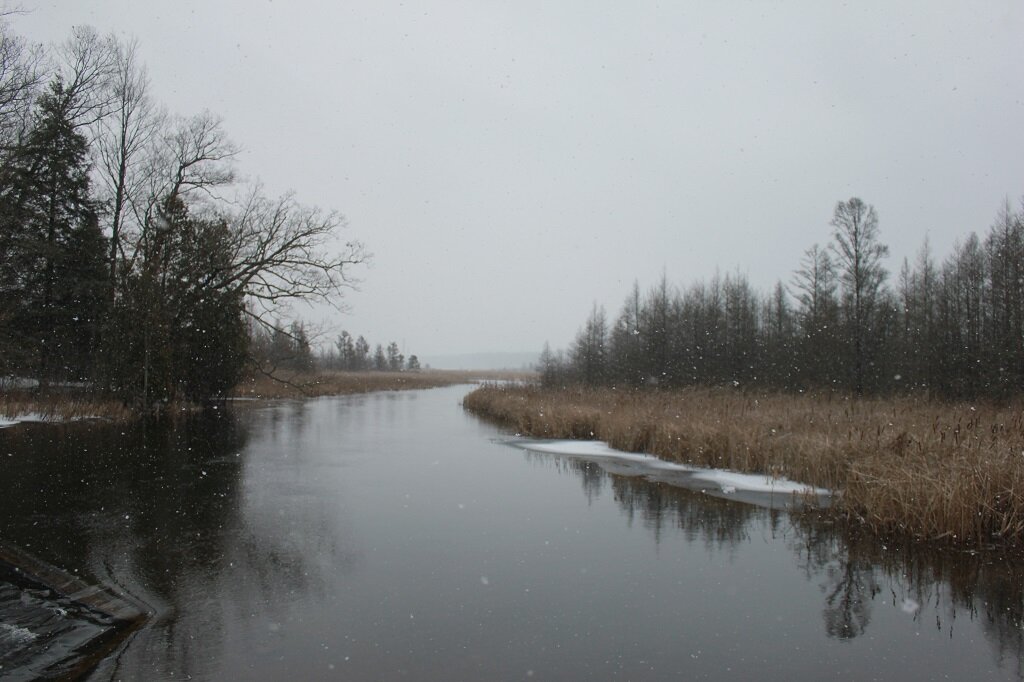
(757, 489)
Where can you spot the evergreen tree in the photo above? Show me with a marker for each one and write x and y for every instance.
(346, 351)
(302, 357)
(51, 248)
(395, 359)
(181, 335)
(361, 360)
(589, 351)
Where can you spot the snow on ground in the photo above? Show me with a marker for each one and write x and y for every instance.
(754, 488)
(29, 417)
(36, 417)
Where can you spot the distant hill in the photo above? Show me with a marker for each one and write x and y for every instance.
(514, 361)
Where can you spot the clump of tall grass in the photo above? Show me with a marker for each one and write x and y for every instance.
(902, 466)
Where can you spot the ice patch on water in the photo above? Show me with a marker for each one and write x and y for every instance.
(712, 480)
(19, 418)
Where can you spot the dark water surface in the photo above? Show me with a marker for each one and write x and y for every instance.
(389, 536)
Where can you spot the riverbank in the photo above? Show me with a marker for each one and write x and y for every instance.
(901, 466)
(24, 406)
(19, 404)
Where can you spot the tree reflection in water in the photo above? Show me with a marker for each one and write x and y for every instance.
(226, 535)
(855, 572)
(156, 510)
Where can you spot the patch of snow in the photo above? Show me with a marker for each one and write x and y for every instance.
(731, 481)
(713, 481)
(39, 418)
(19, 418)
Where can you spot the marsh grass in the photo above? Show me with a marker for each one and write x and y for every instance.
(903, 466)
(59, 407)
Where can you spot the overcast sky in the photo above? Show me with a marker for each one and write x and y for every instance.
(511, 163)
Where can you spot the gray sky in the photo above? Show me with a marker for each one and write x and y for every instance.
(511, 163)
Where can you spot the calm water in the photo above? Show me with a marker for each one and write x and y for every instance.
(392, 536)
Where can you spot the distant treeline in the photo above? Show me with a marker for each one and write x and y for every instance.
(290, 348)
(353, 355)
(131, 261)
(953, 329)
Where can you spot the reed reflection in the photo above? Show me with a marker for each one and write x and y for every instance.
(856, 574)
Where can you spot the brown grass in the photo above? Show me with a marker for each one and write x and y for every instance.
(60, 408)
(949, 472)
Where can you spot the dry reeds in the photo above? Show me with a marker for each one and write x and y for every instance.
(903, 466)
(18, 405)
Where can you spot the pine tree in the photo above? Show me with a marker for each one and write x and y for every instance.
(53, 273)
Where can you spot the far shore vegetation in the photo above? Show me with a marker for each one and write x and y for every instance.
(337, 382)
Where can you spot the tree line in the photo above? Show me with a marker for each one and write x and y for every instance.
(353, 354)
(951, 329)
(290, 348)
(131, 258)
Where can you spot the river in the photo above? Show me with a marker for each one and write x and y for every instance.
(393, 536)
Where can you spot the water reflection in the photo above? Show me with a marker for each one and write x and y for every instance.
(387, 536)
(854, 573)
(160, 511)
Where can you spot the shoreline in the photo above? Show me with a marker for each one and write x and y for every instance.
(949, 474)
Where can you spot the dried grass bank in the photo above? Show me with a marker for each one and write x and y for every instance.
(25, 406)
(947, 472)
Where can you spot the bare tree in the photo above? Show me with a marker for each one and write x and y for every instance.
(124, 138)
(859, 255)
(282, 251)
(190, 161)
(815, 285)
(1005, 253)
(589, 351)
(86, 65)
(21, 74)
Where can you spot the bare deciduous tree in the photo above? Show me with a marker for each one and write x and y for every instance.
(123, 139)
(859, 255)
(86, 65)
(282, 251)
(21, 74)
